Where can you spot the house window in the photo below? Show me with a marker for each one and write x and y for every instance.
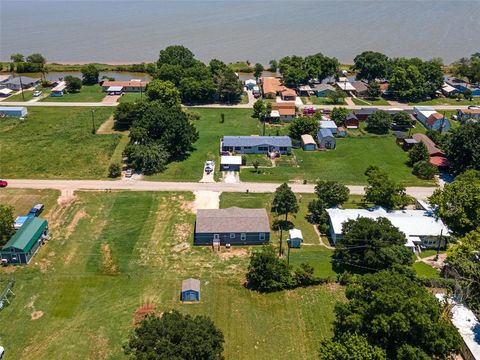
(238, 148)
(232, 235)
(247, 148)
(262, 148)
(262, 236)
(216, 236)
(243, 236)
(283, 148)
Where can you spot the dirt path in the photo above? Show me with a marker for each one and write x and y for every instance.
(107, 127)
(320, 239)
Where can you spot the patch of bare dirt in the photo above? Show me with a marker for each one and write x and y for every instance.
(44, 265)
(31, 303)
(182, 231)
(108, 265)
(80, 214)
(99, 348)
(225, 255)
(66, 198)
(36, 315)
(206, 200)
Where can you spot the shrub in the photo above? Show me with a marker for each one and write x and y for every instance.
(424, 170)
(114, 170)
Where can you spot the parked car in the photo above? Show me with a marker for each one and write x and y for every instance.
(2, 352)
(37, 93)
(209, 166)
(3, 183)
(474, 107)
(36, 210)
(128, 173)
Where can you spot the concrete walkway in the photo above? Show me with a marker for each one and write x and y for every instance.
(142, 185)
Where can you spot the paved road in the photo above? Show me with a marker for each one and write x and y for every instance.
(58, 104)
(139, 185)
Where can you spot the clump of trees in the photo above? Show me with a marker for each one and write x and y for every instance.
(73, 84)
(379, 123)
(6, 224)
(371, 244)
(261, 109)
(418, 159)
(176, 336)
(370, 65)
(196, 81)
(339, 115)
(32, 63)
(468, 67)
(303, 125)
(462, 147)
(389, 315)
(383, 191)
(329, 194)
(269, 273)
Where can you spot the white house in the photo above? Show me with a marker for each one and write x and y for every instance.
(421, 227)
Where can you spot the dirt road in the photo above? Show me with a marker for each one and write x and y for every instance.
(140, 185)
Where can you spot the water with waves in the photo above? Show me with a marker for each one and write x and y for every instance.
(133, 31)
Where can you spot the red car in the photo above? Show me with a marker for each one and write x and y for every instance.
(3, 183)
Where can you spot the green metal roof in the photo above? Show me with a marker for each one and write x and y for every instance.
(26, 236)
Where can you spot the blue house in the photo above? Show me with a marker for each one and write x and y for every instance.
(190, 290)
(256, 144)
(18, 111)
(462, 86)
(323, 90)
(59, 90)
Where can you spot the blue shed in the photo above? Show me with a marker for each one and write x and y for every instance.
(325, 139)
(13, 111)
(191, 290)
(250, 84)
(295, 238)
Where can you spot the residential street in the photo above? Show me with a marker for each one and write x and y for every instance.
(141, 185)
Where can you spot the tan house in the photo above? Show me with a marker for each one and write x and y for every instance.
(285, 110)
(273, 87)
(127, 86)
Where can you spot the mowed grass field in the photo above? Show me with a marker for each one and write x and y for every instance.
(88, 93)
(111, 252)
(56, 142)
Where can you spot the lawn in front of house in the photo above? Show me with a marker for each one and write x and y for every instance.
(211, 130)
(447, 101)
(131, 97)
(346, 164)
(110, 253)
(88, 93)
(27, 96)
(425, 271)
(315, 100)
(377, 101)
(56, 142)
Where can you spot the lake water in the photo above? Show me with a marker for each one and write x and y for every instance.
(231, 30)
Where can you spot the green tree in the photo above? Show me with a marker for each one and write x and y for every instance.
(407, 84)
(468, 95)
(468, 67)
(176, 336)
(463, 264)
(36, 59)
(17, 57)
(284, 201)
(331, 193)
(73, 84)
(379, 123)
(383, 191)
(338, 115)
(350, 347)
(90, 74)
(373, 90)
(457, 203)
(176, 55)
(393, 311)
(317, 212)
(372, 244)
(169, 127)
(114, 170)
(337, 96)
(193, 90)
(6, 224)
(463, 147)
(267, 272)
(229, 87)
(403, 120)
(304, 276)
(148, 158)
(256, 164)
(418, 153)
(424, 170)
(257, 70)
(303, 125)
(164, 92)
(371, 65)
(273, 65)
(258, 109)
(127, 113)
(293, 70)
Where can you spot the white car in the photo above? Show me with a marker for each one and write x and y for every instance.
(128, 173)
(210, 163)
(37, 93)
(2, 352)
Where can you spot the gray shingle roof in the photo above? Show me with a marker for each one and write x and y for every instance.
(232, 220)
(322, 133)
(25, 80)
(191, 284)
(257, 141)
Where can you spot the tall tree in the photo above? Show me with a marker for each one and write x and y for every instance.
(273, 65)
(176, 55)
(303, 125)
(164, 92)
(90, 74)
(350, 347)
(418, 153)
(468, 67)
(373, 90)
(36, 59)
(74, 84)
(257, 70)
(383, 191)
(6, 224)
(463, 147)
(379, 123)
(127, 113)
(371, 65)
(372, 244)
(17, 57)
(332, 193)
(176, 336)
(339, 115)
(458, 203)
(392, 311)
(284, 201)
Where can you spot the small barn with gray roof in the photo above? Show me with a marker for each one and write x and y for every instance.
(256, 144)
(234, 226)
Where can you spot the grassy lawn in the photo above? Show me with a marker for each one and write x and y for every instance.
(378, 101)
(447, 101)
(237, 122)
(110, 253)
(347, 163)
(430, 252)
(425, 271)
(131, 96)
(56, 143)
(28, 94)
(91, 93)
(315, 100)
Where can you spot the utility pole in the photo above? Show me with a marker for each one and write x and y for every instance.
(21, 87)
(288, 254)
(438, 243)
(93, 121)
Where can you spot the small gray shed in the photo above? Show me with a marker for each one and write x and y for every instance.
(325, 139)
(191, 290)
